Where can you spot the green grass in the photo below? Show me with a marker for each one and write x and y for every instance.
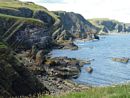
(18, 4)
(120, 91)
(2, 45)
(34, 7)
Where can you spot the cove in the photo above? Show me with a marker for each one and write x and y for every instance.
(105, 71)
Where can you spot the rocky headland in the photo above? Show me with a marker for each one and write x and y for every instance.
(28, 32)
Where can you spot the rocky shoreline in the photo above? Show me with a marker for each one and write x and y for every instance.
(55, 73)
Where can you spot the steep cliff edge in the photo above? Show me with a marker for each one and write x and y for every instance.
(76, 25)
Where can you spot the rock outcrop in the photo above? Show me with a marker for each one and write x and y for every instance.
(76, 24)
(63, 67)
(121, 60)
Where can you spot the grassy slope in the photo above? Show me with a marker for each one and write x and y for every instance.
(120, 91)
(14, 5)
(17, 4)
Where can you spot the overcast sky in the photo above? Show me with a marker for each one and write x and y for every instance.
(113, 9)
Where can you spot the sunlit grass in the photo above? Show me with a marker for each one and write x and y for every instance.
(121, 91)
(17, 4)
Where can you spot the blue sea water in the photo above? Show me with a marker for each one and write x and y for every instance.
(105, 71)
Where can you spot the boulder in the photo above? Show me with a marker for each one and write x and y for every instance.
(121, 60)
(89, 69)
(63, 67)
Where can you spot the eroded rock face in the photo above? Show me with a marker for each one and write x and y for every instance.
(63, 67)
(76, 24)
(45, 42)
(121, 60)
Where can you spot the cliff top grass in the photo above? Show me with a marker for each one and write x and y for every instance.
(102, 19)
(18, 4)
(119, 91)
(14, 4)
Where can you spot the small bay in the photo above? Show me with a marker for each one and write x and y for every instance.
(105, 71)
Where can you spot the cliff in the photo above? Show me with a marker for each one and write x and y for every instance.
(76, 24)
(110, 26)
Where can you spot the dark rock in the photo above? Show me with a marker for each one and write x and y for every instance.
(76, 24)
(21, 12)
(96, 37)
(43, 16)
(45, 42)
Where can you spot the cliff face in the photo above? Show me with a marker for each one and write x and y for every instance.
(22, 25)
(110, 26)
(25, 24)
(76, 24)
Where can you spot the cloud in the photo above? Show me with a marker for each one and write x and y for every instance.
(113, 9)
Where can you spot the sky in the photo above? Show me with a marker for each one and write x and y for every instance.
(113, 9)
